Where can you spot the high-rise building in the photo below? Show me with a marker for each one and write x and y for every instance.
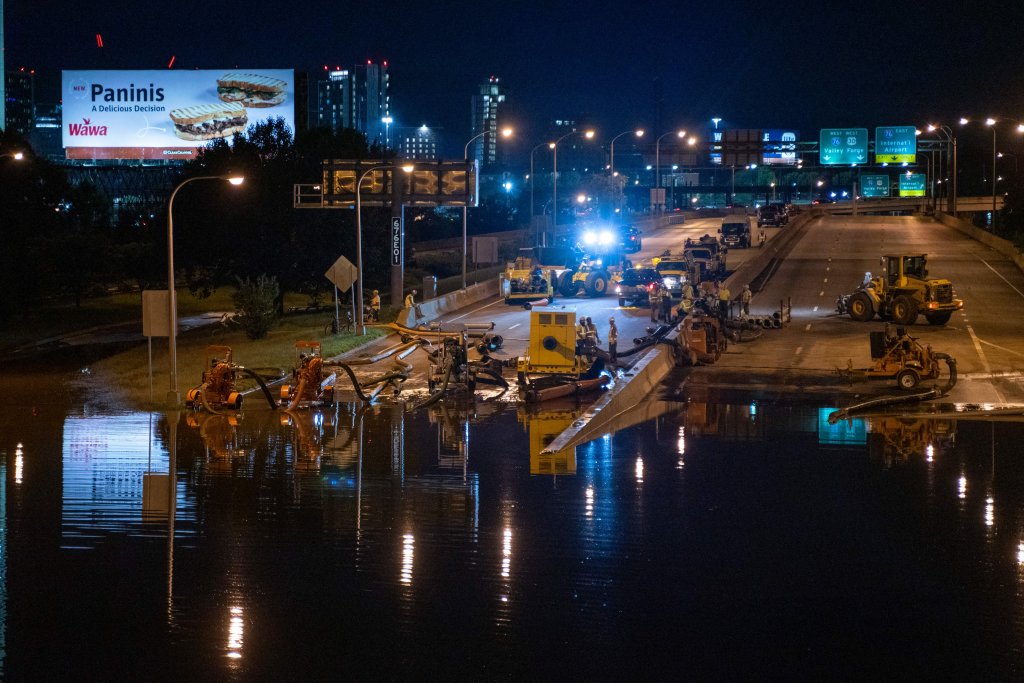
(3, 95)
(417, 142)
(20, 102)
(356, 98)
(486, 115)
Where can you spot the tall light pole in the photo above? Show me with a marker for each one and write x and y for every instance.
(588, 134)
(639, 132)
(543, 144)
(17, 156)
(657, 153)
(387, 120)
(991, 123)
(950, 142)
(360, 324)
(172, 301)
(505, 132)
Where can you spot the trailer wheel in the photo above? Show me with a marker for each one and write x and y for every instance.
(861, 308)
(907, 379)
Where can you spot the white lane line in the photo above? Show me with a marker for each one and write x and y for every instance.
(515, 326)
(1001, 348)
(799, 350)
(1001, 277)
(808, 328)
(815, 310)
(821, 293)
(977, 347)
(499, 301)
(826, 280)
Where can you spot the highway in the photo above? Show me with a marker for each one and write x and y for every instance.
(832, 257)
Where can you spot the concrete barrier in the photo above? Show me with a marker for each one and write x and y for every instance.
(629, 392)
(430, 310)
(1003, 246)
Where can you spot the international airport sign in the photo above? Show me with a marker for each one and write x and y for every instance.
(912, 184)
(843, 146)
(895, 144)
(874, 186)
(165, 114)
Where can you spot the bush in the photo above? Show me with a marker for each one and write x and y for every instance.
(255, 305)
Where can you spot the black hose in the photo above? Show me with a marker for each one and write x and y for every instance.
(437, 395)
(263, 385)
(358, 387)
(930, 394)
(490, 378)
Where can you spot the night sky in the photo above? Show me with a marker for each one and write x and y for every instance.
(797, 64)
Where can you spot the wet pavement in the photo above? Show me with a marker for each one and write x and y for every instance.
(723, 538)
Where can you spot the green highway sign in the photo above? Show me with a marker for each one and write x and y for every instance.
(895, 144)
(912, 184)
(843, 146)
(874, 186)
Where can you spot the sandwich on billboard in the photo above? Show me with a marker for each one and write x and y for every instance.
(167, 114)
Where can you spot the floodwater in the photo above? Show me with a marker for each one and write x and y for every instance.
(753, 541)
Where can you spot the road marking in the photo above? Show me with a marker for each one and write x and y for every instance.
(815, 310)
(1001, 348)
(977, 347)
(515, 326)
(808, 328)
(826, 280)
(451, 320)
(1000, 276)
(821, 293)
(799, 349)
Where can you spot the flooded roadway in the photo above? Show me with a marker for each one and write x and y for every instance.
(714, 540)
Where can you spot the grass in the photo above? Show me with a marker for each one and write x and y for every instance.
(123, 379)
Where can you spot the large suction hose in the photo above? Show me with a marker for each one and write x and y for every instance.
(895, 399)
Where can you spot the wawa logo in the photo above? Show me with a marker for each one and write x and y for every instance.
(86, 128)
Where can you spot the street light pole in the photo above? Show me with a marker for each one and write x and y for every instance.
(543, 144)
(639, 132)
(657, 154)
(172, 301)
(992, 123)
(465, 157)
(554, 181)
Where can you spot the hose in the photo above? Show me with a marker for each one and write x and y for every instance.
(892, 399)
(439, 393)
(263, 385)
(206, 404)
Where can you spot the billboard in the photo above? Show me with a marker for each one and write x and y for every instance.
(167, 114)
(895, 144)
(779, 145)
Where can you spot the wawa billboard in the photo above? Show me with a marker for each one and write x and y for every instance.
(167, 114)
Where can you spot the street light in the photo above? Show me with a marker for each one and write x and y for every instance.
(17, 156)
(543, 144)
(172, 301)
(505, 132)
(588, 134)
(950, 142)
(386, 120)
(639, 132)
(657, 152)
(408, 168)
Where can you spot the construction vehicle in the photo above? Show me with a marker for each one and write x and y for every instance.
(311, 386)
(894, 439)
(556, 364)
(675, 270)
(701, 340)
(901, 293)
(900, 356)
(529, 279)
(706, 258)
(589, 276)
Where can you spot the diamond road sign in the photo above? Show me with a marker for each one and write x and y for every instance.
(912, 184)
(895, 145)
(843, 146)
(874, 186)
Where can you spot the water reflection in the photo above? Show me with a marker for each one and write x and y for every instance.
(370, 525)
